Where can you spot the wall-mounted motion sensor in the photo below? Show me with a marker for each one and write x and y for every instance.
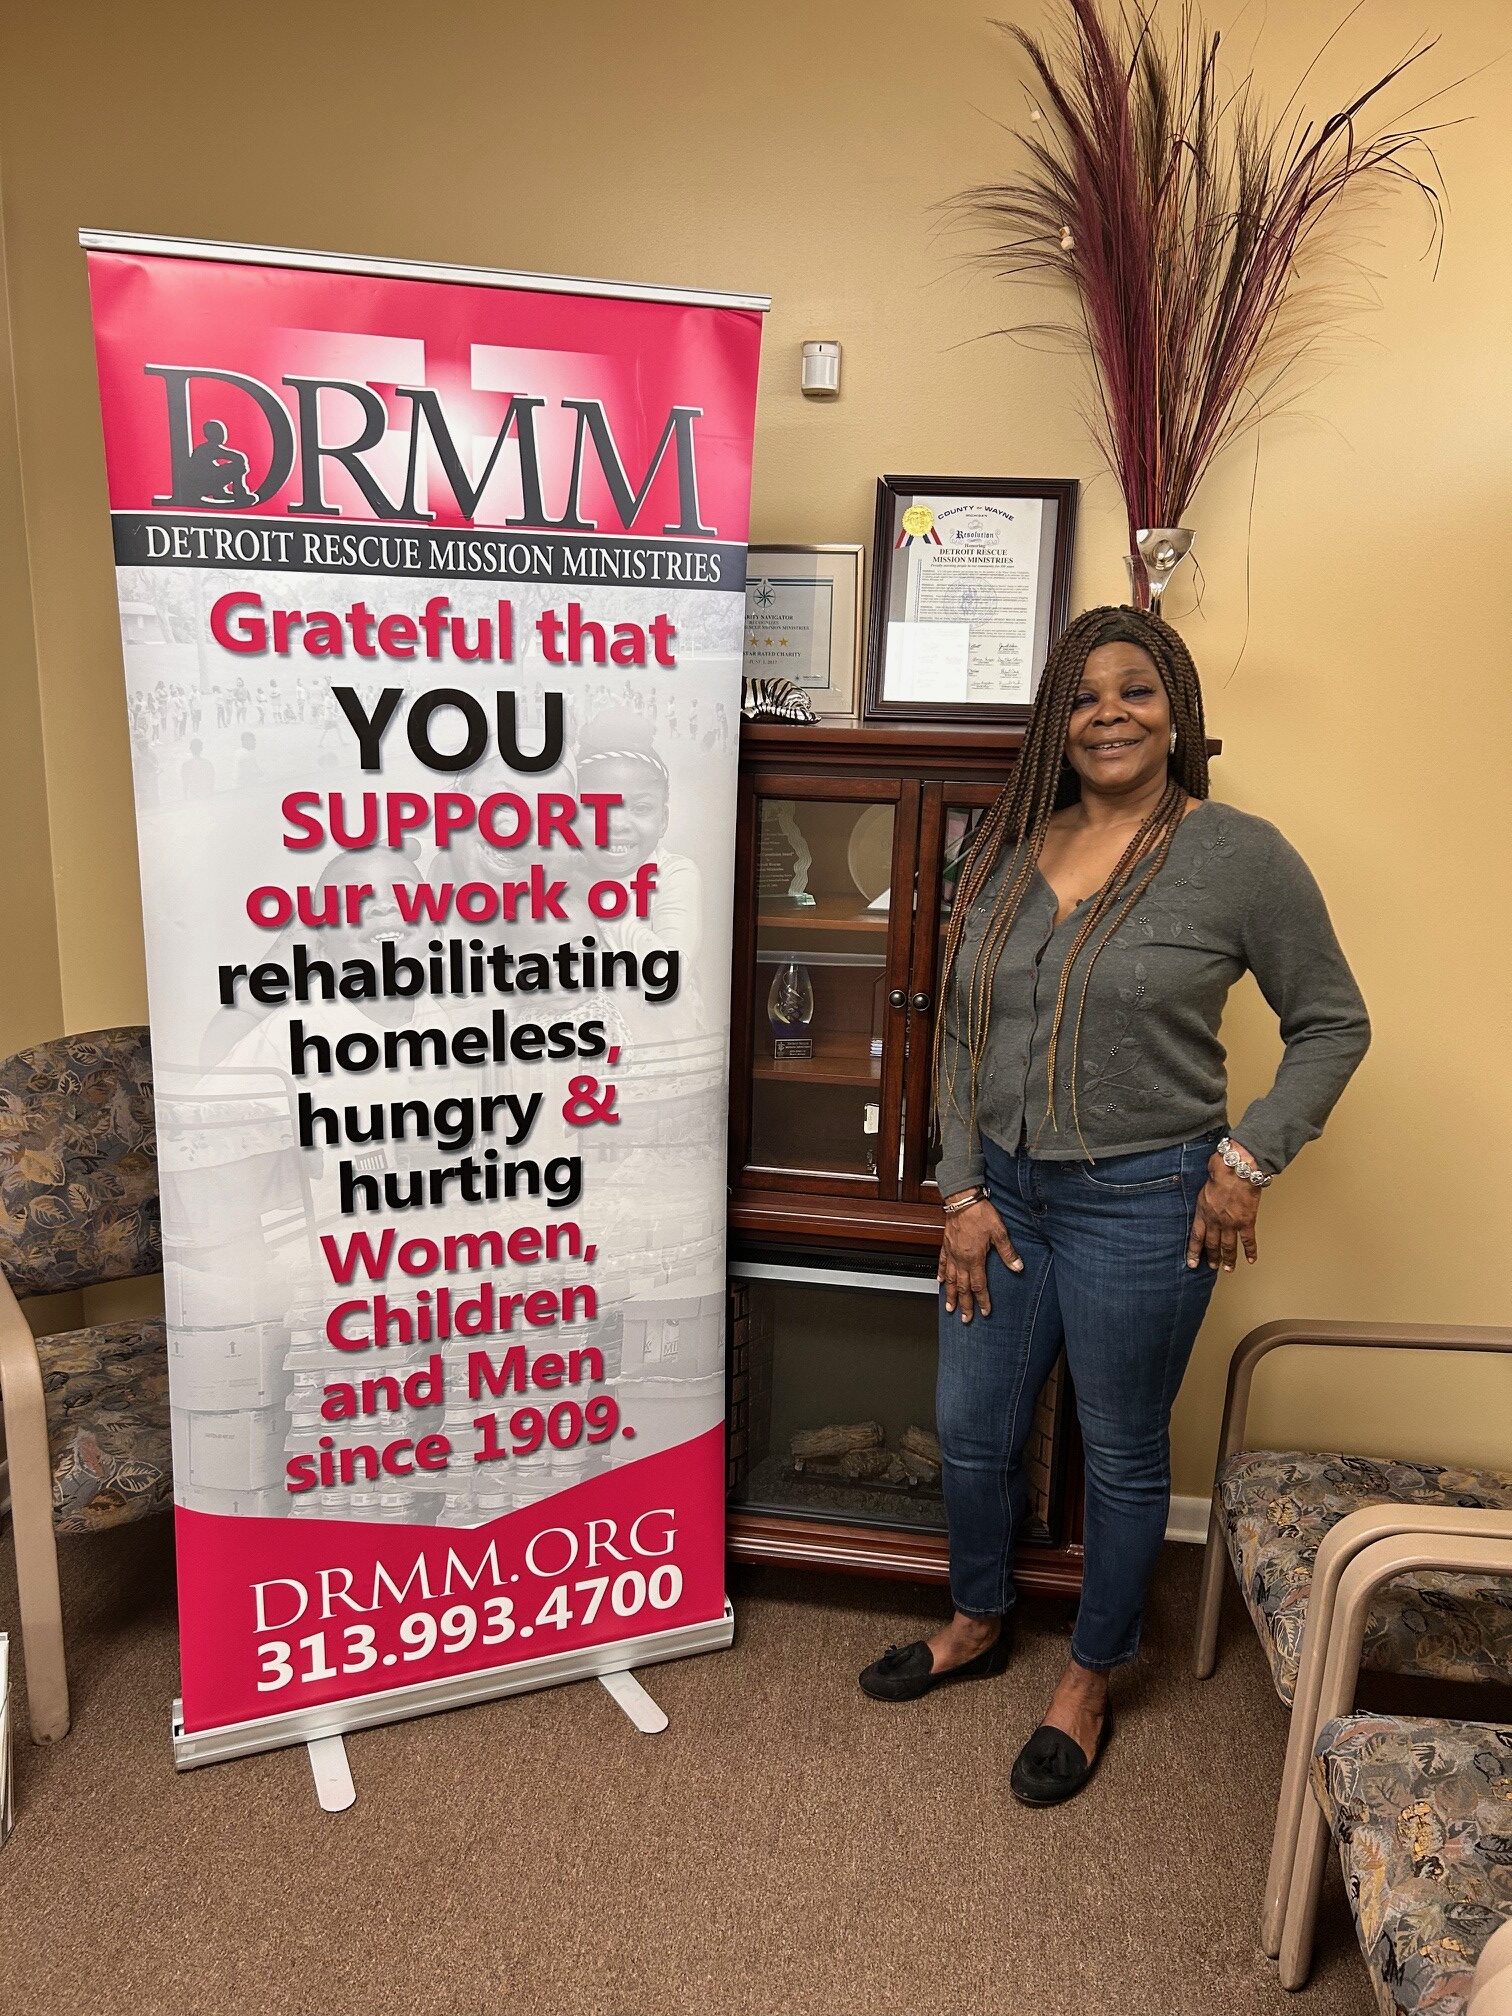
(821, 370)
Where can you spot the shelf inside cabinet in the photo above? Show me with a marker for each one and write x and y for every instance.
(837, 1060)
(829, 913)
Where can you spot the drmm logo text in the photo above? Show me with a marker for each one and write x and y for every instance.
(216, 468)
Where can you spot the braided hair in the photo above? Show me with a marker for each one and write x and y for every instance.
(1019, 818)
(615, 735)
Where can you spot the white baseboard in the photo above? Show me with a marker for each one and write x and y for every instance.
(1188, 1520)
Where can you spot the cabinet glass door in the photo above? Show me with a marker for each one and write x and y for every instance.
(825, 1003)
(950, 817)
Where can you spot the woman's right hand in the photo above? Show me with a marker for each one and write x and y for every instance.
(970, 1235)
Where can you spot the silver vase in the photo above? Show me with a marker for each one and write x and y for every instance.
(1161, 551)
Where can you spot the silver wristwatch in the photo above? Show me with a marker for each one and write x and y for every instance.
(1232, 1159)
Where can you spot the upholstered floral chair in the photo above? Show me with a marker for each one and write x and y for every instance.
(1290, 1519)
(86, 1412)
(1421, 1808)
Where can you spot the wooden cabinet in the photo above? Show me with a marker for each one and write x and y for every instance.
(848, 842)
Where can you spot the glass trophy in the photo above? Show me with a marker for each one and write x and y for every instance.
(783, 858)
(790, 1012)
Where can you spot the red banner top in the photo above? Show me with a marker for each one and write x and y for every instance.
(319, 396)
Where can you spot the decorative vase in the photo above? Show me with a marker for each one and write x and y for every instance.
(1158, 553)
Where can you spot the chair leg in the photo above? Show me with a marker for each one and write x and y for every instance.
(41, 1613)
(1294, 1796)
(1302, 1903)
(1210, 1596)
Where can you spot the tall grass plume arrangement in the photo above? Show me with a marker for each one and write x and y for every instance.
(1194, 230)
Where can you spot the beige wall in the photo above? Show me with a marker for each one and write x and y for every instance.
(31, 1001)
(799, 149)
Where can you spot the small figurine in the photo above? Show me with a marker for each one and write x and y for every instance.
(774, 700)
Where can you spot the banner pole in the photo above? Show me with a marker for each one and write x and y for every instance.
(292, 259)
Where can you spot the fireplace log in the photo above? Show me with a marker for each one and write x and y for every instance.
(856, 1466)
(836, 1440)
(921, 1442)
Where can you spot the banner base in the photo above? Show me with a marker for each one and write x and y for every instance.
(332, 1774)
(628, 1693)
(370, 1711)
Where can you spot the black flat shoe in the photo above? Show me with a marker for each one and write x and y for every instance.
(1053, 1767)
(904, 1672)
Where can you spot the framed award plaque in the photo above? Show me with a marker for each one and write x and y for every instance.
(803, 622)
(970, 581)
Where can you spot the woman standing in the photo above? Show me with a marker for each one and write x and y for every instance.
(1092, 1188)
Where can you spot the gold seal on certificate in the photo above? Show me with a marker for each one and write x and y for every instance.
(803, 622)
(968, 588)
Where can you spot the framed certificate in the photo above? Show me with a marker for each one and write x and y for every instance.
(803, 622)
(970, 580)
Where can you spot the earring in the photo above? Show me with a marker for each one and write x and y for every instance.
(1173, 741)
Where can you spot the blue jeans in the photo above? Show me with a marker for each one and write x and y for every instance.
(1105, 1275)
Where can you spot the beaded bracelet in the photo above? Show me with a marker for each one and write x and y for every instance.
(1232, 1159)
(977, 1196)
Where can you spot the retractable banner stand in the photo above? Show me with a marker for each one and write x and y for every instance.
(431, 592)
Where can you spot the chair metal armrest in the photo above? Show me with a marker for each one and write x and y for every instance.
(1289, 1330)
(1386, 1541)
(1492, 1997)
(1491, 1988)
(23, 1401)
(1411, 1540)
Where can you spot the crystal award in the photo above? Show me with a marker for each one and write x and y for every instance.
(790, 1011)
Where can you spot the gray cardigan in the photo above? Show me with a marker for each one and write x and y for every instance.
(1232, 896)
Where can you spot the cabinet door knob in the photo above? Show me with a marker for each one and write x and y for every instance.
(897, 998)
(923, 1003)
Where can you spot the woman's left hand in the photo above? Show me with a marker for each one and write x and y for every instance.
(1225, 1218)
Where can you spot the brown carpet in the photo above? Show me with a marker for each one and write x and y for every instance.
(786, 1847)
